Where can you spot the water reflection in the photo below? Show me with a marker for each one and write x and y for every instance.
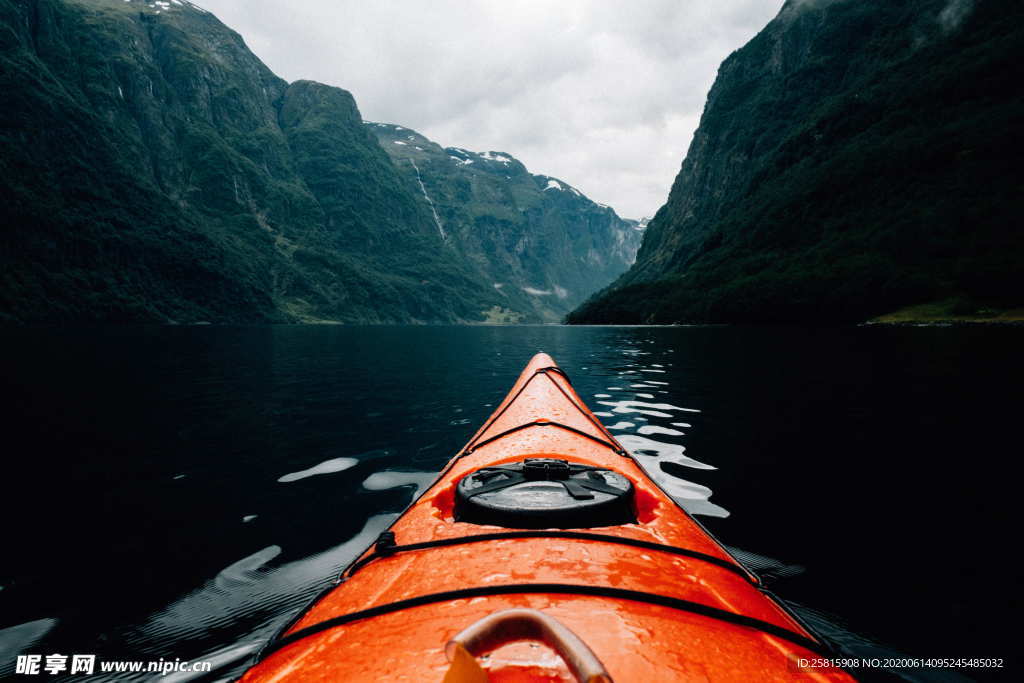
(382, 481)
(651, 434)
(326, 467)
(356, 421)
(653, 429)
(17, 639)
(254, 592)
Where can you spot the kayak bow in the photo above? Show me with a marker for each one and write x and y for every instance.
(544, 552)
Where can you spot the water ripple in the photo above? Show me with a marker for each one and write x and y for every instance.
(16, 639)
(252, 590)
(326, 467)
(382, 481)
(660, 452)
(663, 457)
(647, 430)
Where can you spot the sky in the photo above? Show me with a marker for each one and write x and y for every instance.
(603, 94)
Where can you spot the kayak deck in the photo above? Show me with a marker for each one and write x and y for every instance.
(656, 599)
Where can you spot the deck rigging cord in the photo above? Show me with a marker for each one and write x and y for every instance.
(560, 588)
(608, 441)
(386, 546)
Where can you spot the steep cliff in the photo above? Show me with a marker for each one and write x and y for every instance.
(153, 169)
(542, 243)
(855, 157)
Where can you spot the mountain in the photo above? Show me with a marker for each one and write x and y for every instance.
(153, 169)
(855, 157)
(537, 238)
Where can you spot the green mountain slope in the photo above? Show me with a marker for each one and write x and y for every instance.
(153, 169)
(543, 244)
(857, 156)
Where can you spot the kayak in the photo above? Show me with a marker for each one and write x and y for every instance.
(545, 552)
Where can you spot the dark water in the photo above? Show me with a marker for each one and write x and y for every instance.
(145, 516)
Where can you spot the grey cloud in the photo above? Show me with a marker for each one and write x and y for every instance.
(601, 93)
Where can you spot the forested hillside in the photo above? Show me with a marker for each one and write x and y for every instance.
(541, 242)
(857, 156)
(154, 170)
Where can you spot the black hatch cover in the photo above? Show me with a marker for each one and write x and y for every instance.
(544, 493)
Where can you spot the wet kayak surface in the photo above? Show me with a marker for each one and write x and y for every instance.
(179, 492)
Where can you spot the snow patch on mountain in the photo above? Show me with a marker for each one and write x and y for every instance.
(495, 156)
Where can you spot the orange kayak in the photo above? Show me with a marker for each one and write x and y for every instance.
(544, 552)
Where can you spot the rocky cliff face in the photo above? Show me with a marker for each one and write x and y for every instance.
(542, 243)
(854, 157)
(153, 169)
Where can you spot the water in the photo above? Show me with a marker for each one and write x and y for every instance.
(180, 491)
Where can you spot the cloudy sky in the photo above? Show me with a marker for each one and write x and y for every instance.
(604, 94)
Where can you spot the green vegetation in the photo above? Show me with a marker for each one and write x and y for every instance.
(854, 158)
(524, 232)
(153, 169)
(496, 315)
(952, 310)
